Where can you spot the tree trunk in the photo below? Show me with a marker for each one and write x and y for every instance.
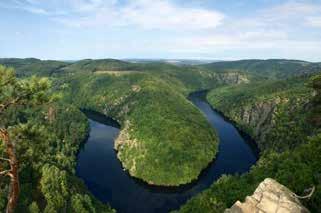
(14, 188)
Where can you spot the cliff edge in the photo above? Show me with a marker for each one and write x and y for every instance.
(269, 197)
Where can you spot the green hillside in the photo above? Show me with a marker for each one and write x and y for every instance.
(47, 139)
(89, 65)
(277, 102)
(288, 137)
(272, 68)
(33, 66)
(158, 123)
(263, 109)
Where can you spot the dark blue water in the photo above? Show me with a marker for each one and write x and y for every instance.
(101, 171)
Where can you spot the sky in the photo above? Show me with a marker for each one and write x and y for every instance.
(169, 29)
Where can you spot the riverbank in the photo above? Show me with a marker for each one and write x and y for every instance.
(103, 174)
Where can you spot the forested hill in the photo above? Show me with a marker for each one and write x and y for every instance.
(89, 65)
(272, 68)
(277, 102)
(283, 116)
(192, 77)
(149, 100)
(33, 66)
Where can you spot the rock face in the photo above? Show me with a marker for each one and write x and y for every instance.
(227, 78)
(258, 119)
(269, 197)
(232, 78)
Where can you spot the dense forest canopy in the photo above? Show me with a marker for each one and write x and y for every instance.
(150, 102)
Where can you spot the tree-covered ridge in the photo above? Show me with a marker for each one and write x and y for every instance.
(193, 77)
(149, 101)
(159, 125)
(89, 65)
(271, 69)
(298, 170)
(315, 115)
(267, 110)
(33, 66)
(291, 153)
(151, 98)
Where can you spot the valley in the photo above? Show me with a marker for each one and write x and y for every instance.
(170, 146)
(102, 172)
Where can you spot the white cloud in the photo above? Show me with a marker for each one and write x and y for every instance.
(294, 12)
(146, 14)
(165, 15)
(277, 31)
(290, 28)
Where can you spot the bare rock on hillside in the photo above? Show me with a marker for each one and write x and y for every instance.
(269, 197)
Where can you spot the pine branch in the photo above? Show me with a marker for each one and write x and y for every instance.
(3, 107)
(5, 159)
(5, 172)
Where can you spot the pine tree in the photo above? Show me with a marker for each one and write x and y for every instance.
(16, 95)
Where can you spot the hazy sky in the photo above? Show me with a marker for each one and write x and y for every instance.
(209, 29)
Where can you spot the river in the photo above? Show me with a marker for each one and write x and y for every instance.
(100, 169)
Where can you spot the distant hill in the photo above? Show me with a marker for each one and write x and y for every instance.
(90, 65)
(191, 77)
(258, 69)
(272, 68)
(179, 62)
(31, 66)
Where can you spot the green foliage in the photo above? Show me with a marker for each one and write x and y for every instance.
(54, 186)
(291, 156)
(33, 208)
(89, 65)
(32, 66)
(315, 116)
(82, 204)
(298, 170)
(15, 93)
(267, 110)
(157, 118)
(149, 100)
(47, 140)
(50, 209)
(168, 133)
(248, 94)
(271, 69)
(49, 159)
(17, 96)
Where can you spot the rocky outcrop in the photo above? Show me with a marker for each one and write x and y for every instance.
(258, 118)
(261, 118)
(226, 78)
(125, 143)
(232, 78)
(269, 197)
